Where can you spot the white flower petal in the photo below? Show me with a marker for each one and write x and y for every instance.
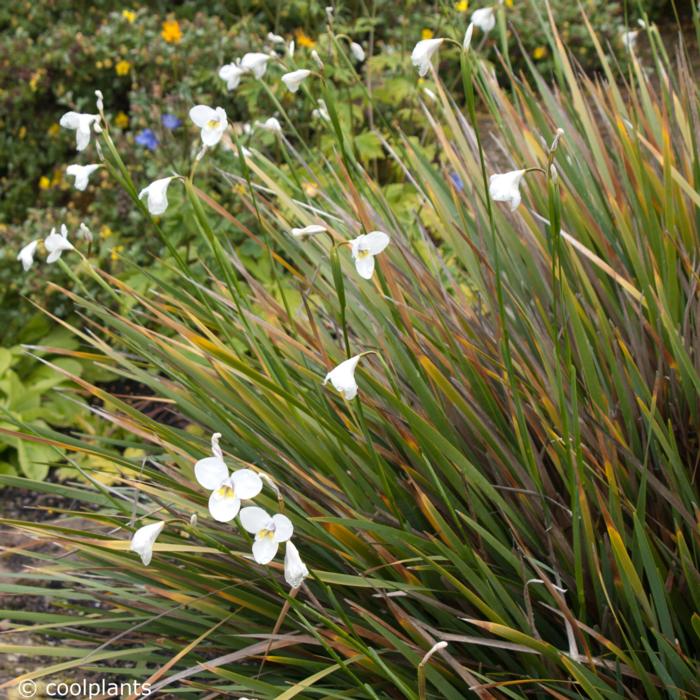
(505, 187)
(232, 74)
(210, 472)
(26, 255)
(283, 527)
(254, 519)
(484, 18)
(311, 230)
(357, 51)
(342, 378)
(294, 79)
(143, 540)
(365, 267)
(256, 63)
(295, 570)
(223, 505)
(81, 173)
(56, 244)
(246, 483)
(264, 550)
(375, 242)
(201, 114)
(423, 53)
(157, 194)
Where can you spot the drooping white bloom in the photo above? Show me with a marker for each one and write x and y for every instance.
(422, 54)
(484, 18)
(143, 540)
(99, 100)
(231, 73)
(272, 124)
(342, 378)
(364, 248)
(227, 489)
(81, 124)
(290, 49)
(275, 38)
(357, 51)
(317, 59)
(629, 39)
(157, 195)
(321, 112)
(56, 244)
(295, 570)
(294, 79)
(255, 63)
(311, 230)
(26, 255)
(85, 233)
(468, 37)
(505, 187)
(212, 122)
(81, 173)
(269, 532)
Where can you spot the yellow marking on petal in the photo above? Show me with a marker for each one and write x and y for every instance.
(213, 123)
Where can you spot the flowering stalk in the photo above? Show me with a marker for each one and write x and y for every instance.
(522, 434)
(340, 291)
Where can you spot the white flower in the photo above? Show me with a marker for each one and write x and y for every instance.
(26, 255)
(290, 49)
(269, 532)
(342, 378)
(321, 112)
(231, 73)
(85, 233)
(56, 243)
(143, 540)
(295, 570)
(294, 79)
(505, 187)
(357, 51)
(212, 122)
(255, 63)
(272, 124)
(629, 39)
(81, 173)
(275, 38)
(423, 53)
(484, 18)
(317, 59)
(157, 194)
(311, 230)
(227, 490)
(80, 123)
(364, 248)
(468, 37)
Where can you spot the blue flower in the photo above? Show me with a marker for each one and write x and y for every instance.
(147, 139)
(170, 121)
(457, 181)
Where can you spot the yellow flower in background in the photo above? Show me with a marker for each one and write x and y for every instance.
(303, 39)
(509, 3)
(114, 253)
(171, 31)
(427, 34)
(22, 132)
(123, 67)
(121, 120)
(310, 189)
(44, 183)
(105, 232)
(462, 6)
(54, 130)
(539, 53)
(129, 15)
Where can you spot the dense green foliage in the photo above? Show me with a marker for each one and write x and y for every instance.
(517, 474)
